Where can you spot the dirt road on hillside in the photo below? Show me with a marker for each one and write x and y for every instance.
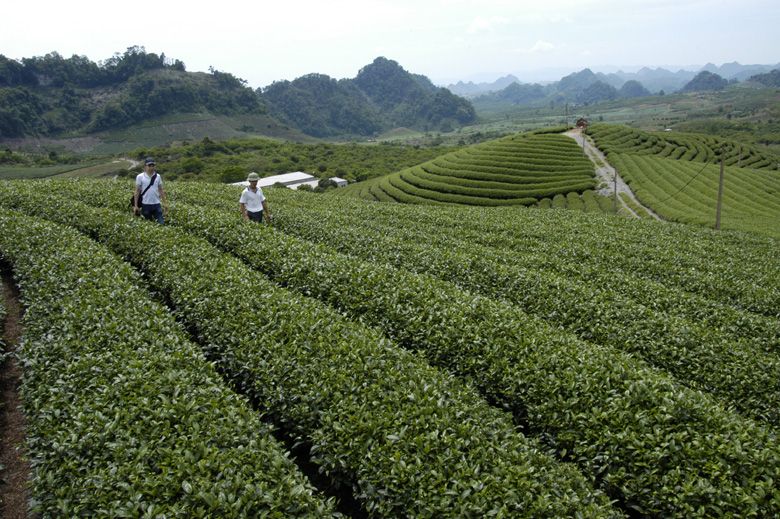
(608, 175)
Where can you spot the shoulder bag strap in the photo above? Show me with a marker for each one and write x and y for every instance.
(141, 198)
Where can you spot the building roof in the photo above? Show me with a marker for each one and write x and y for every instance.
(312, 183)
(286, 179)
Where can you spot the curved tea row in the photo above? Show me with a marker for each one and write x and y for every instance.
(515, 170)
(680, 146)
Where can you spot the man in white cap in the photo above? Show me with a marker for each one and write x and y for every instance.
(252, 201)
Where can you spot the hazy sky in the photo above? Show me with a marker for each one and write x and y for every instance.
(446, 40)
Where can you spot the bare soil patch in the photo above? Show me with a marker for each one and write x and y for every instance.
(14, 495)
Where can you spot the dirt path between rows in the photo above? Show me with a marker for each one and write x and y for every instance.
(14, 476)
(605, 172)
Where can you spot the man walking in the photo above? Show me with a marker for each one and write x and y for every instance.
(252, 202)
(149, 195)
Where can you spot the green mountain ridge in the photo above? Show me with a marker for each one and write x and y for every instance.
(381, 97)
(704, 81)
(52, 96)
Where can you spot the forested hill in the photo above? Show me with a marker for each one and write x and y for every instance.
(705, 80)
(51, 95)
(770, 79)
(382, 96)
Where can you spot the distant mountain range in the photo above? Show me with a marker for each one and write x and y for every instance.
(52, 96)
(586, 87)
(474, 89)
(654, 80)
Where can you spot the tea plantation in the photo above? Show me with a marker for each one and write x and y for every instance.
(677, 175)
(427, 361)
(515, 170)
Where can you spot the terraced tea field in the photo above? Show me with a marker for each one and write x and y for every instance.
(515, 170)
(673, 175)
(680, 146)
(678, 177)
(426, 360)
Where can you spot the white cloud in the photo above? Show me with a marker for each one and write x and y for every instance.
(481, 24)
(539, 47)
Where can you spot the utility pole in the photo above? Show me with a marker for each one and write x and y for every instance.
(614, 187)
(720, 195)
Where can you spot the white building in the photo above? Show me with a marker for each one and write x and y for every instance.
(292, 180)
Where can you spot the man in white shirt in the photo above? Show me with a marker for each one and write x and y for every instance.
(252, 201)
(149, 193)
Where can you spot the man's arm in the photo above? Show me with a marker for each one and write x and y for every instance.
(243, 210)
(163, 199)
(266, 212)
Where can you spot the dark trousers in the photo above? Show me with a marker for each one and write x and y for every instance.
(255, 216)
(152, 212)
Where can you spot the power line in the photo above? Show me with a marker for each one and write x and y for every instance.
(687, 183)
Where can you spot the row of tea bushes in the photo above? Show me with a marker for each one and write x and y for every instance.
(450, 184)
(734, 269)
(125, 417)
(687, 192)
(697, 354)
(556, 256)
(411, 440)
(588, 202)
(515, 170)
(510, 356)
(700, 260)
(424, 313)
(679, 146)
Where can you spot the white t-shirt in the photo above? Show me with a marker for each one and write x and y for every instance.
(252, 200)
(152, 196)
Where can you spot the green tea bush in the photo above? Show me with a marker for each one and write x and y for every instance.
(411, 440)
(124, 415)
